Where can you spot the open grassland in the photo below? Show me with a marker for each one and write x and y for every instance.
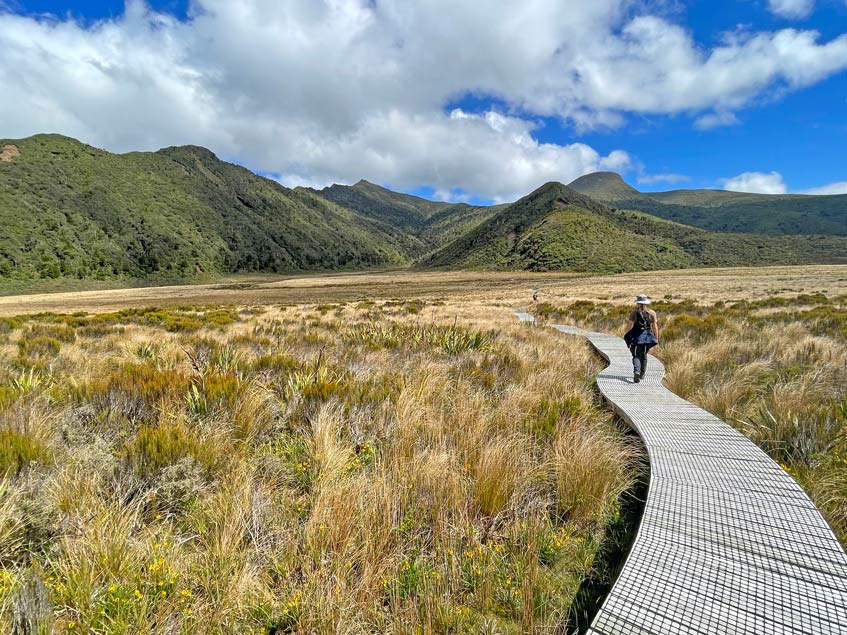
(775, 368)
(369, 467)
(509, 288)
(359, 453)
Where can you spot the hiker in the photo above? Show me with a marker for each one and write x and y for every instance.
(642, 334)
(535, 296)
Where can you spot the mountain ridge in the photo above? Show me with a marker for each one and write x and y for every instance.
(726, 211)
(70, 210)
(556, 227)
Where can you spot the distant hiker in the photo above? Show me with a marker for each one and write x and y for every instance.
(535, 296)
(642, 334)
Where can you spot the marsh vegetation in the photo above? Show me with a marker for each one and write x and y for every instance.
(391, 466)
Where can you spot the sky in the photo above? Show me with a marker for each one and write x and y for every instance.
(478, 101)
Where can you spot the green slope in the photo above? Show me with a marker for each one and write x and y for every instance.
(400, 210)
(433, 224)
(724, 211)
(554, 228)
(455, 221)
(604, 186)
(70, 210)
(557, 228)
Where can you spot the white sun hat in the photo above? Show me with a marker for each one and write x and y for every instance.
(642, 299)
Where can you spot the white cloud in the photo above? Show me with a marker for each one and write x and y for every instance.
(832, 188)
(756, 183)
(652, 179)
(337, 90)
(773, 183)
(459, 151)
(793, 9)
(716, 120)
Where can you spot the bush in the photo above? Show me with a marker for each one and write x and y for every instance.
(7, 395)
(62, 332)
(38, 347)
(157, 447)
(278, 363)
(19, 449)
(591, 470)
(212, 392)
(142, 381)
(7, 325)
(698, 329)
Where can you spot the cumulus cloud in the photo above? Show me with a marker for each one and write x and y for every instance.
(832, 188)
(669, 178)
(792, 9)
(462, 150)
(336, 90)
(756, 183)
(716, 120)
(773, 183)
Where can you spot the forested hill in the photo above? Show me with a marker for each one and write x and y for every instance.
(71, 210)
(557, 228)
(434, 224)
(724, 211)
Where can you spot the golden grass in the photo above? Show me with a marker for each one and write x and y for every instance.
(509, 288)
(364, 464)
(404, 467)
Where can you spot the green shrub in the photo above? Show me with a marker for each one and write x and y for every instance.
(219, 318)
(7, 395)
(212, 392)
(319, 383)
(7, 325)
(157, 447)
(38, 347)
(140, 384)
(19, 449)
(96, 331)
(61, 332)
(277, 363)
(696, 328)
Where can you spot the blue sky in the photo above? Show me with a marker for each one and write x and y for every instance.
(92, 9)
(479, 103)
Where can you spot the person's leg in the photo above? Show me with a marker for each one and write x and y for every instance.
(643, 358)
(636, 362)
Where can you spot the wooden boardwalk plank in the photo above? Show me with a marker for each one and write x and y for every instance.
(728, 543)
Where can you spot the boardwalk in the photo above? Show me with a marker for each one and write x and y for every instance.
(728, 543)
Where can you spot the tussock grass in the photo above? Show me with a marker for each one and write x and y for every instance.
(403, 467)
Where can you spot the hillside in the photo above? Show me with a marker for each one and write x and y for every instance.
(71, 210)
(557, 228)
(401, 210)
(724, 211)
(604, 186)
(433, 224)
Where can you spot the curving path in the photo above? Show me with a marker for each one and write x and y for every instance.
(728, 542)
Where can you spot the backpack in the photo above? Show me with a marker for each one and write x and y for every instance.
(642, 331)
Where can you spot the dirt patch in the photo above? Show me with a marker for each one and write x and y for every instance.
(9, 152)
